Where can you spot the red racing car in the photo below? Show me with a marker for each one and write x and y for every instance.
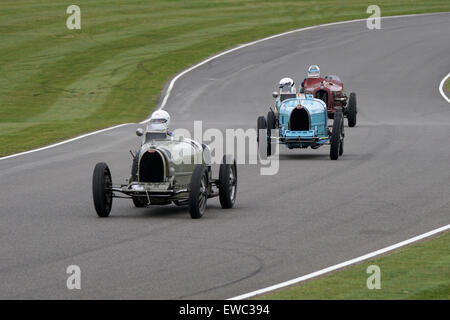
(331, 91)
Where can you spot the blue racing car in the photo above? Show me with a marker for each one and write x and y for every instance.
(301, 121)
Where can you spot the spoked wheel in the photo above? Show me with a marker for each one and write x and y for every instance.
(337, 136)
(101, 189)
(227, 183)
(198, 194)
(351, 110)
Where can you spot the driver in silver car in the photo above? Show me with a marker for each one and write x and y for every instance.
(159, 123)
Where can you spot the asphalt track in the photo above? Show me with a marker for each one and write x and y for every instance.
(391, 184)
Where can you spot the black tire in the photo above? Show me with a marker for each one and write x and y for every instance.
(262, 125)
(271, 124)
(351, 110)
(101, 189)
(337, 135)
(269, 146)
(139, 202)
(341, 148)
(227, 183)
(198, 194)
(271, 121)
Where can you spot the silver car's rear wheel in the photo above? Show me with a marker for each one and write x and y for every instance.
(352, 110)
(198, 194)
(227, 183)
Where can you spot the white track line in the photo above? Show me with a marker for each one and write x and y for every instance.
(172, 82)
(441, 88)
(65, 141)
(341, 265)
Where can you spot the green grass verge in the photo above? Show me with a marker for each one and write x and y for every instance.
(447, 85)
(56, 83)
(419, 271)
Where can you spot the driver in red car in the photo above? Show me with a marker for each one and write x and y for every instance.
(313, 72)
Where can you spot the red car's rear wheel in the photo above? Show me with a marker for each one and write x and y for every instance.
(351, 110)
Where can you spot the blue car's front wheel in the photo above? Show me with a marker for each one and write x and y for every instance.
(271, 121)
(263, 135)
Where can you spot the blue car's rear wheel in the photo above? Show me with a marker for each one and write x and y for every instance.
(351, 110)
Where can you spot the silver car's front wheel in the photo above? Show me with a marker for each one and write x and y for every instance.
(101, 189)
(198, 194)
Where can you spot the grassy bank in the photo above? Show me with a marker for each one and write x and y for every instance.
(419, 271)
(56, 83)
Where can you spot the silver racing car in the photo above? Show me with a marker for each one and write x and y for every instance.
(167, 170)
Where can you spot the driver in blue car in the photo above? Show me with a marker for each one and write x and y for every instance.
(287, 86)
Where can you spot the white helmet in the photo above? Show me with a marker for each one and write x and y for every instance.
(314, 71)
(286, 85)
(159, 121)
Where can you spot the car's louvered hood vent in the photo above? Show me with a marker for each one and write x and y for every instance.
(152, 167)
(299, 120)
